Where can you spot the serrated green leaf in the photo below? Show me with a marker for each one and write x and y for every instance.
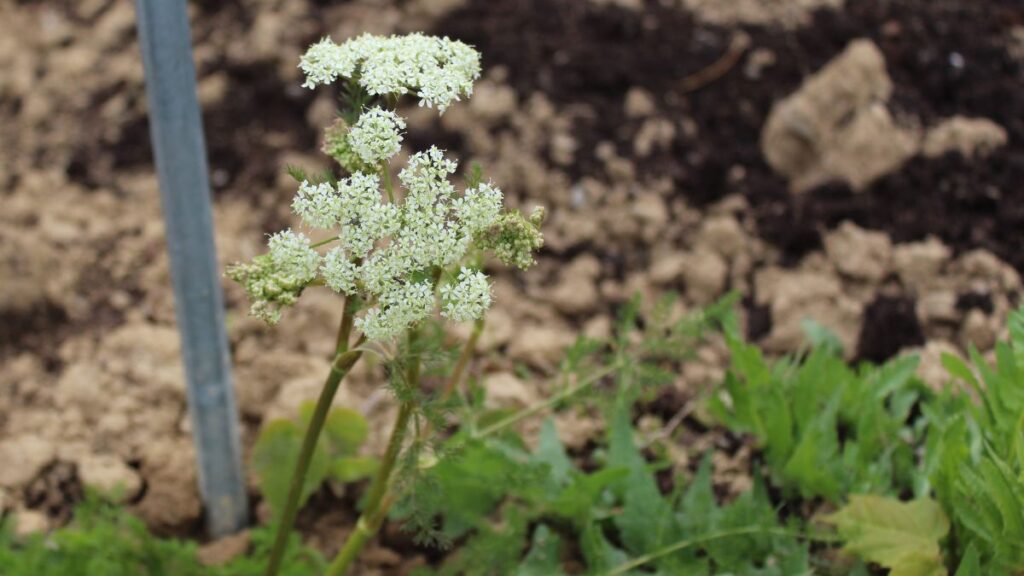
(577, 502)
(646, 521)
(814, 464)
(901, 536)
(599, 554)
(698, 508)
(819, 336)
(970, 564)
(550, 451)
(543, 557)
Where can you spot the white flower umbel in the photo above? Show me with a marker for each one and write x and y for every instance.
(377, 136)
(437, 70)
(318, 205)
(293, 257)
(479, 207)
(400, 306)
(365, 219)
(391, 249)
(468, 298)
(339, 271)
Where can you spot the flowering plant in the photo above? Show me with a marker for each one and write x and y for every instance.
(398, 254)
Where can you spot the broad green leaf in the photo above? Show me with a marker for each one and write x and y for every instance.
(353, 468)
(893, 375)
(274, 458)
(901, 536)
(345, 430)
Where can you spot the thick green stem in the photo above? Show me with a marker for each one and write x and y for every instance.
(377, 502)
(343, 361)
(345, 327)
(378, 499)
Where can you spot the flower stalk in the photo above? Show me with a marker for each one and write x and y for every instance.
(378, 501)
(343, 361)
(402, 251)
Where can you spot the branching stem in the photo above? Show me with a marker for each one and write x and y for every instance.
(542, 406)
(704, 539)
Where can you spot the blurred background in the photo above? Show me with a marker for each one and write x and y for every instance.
(858, 163)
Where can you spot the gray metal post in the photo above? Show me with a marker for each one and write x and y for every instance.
(180, 152)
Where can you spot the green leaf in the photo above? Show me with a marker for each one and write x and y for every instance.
(345, 430)
(577, 501)
(970, 564)
(820, 336)
(698, 508)
(353, 468)
(600, 554)
(901, 536)
(467, 487)
(551, 452)
(274, 458)
(646, 521)
(543, 558)
(814, 464)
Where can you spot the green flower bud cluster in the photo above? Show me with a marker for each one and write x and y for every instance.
(336, 145)
(513, 237)
(276, 279)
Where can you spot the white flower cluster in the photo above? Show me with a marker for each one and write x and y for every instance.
(293, 257)
(391, 254)
(318, 205)
(437, 70)
(377, 135)
(383, 245)
(399, 307)
(468, 298)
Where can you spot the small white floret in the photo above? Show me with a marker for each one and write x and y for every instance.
(377, 135)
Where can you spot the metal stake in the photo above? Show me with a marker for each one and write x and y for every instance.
(180, 151)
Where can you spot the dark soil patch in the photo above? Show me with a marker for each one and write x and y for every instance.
(36, 330)
(56, 491)
(890, 325)
(946, 57)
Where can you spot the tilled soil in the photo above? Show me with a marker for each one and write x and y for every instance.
(945, 57)
(639, 124)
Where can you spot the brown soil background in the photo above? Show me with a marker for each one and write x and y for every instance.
(647, 129)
